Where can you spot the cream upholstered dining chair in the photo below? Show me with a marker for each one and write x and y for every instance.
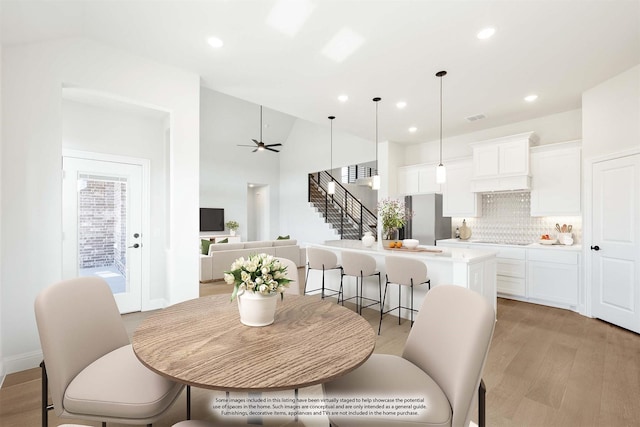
(360, 265)
(403, 271)
(292, 274)
(324, 260)
(442, 363)
(89, 365)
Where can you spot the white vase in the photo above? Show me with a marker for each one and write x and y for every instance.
(257, 309)
(368, 239)
(232, 232)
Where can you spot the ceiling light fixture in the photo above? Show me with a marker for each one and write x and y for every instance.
(215, 42)
(401, 105)
(441, 172)
(375, 183)
(413, 129)
(343, 98)
(331, 187)
(486, 33)
(530, 98)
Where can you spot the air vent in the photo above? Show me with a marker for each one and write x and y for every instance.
(476, 117)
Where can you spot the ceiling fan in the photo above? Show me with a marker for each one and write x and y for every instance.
(261, 146)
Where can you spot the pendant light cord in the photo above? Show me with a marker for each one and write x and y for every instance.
(376, 100)
(440, 121)
(261, 123)
(441, 74)
(331, 149)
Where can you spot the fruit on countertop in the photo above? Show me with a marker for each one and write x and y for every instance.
(545, 237)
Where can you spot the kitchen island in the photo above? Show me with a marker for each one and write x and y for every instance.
(474, 269)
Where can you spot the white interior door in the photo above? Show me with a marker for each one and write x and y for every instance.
(615, 249)
(102, 226)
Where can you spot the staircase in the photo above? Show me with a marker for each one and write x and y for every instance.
(341, 210)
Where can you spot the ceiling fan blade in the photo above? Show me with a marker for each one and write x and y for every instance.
(273, 145)
(257, 143)
(253, 151)
(271, 149)
(243, 145)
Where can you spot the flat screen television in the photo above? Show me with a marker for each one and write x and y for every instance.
(211, 219)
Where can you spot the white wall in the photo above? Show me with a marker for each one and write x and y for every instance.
(32, 80)
(611, 115)
(108, 131)
(2, 368)
(308, 151)
(226, 169)
(561, 127)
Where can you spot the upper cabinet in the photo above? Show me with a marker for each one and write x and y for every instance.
(457, 198)
(502, 164)
(417, 179)
(556, 177)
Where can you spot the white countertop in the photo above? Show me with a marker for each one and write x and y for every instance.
(465, 255)
(484, 244)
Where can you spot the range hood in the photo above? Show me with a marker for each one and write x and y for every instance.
(502, 164)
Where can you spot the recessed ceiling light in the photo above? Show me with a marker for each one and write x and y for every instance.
(486, 33)
(413, 129)
(343, 44)
(215, 42)
(288, 16)
(530, 98)
(343, 98)
(401, 105)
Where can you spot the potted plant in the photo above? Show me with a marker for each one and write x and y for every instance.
(232, 226)
(256, 282)
(393, 215)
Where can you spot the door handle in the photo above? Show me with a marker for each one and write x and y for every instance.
(595, 248)
(135, 246)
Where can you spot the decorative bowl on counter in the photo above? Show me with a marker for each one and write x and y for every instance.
(547, 241)
(410, 243)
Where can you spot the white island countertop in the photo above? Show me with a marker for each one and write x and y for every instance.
(466, 255)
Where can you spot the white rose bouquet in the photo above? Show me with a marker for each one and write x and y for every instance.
(260, 273)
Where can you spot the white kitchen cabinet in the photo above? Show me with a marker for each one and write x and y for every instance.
(408, 180)
(502, 164)
(417, 179)
(556, 179)
(553, 276)
(457, 198)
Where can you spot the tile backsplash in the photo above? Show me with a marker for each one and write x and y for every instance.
(506, 218)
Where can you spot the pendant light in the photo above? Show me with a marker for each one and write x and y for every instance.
(441, 172)
(375, 184)
(331, 187)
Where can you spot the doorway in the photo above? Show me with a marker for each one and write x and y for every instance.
(615, 243)
(102, 224)
(258, 212)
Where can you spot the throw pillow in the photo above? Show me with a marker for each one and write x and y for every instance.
(225, 240)
(204, 246)
(283, 237)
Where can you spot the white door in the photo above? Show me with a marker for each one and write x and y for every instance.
(102, 226)
(615, 249)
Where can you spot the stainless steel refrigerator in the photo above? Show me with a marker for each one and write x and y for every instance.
(427, 223)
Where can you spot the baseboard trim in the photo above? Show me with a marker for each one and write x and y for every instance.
(22, 362)
(155, 304)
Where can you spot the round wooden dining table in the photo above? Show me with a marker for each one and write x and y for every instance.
(202, 343)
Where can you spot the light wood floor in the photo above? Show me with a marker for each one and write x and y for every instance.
(546, 367)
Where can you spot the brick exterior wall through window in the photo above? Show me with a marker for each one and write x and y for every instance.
(102, 224)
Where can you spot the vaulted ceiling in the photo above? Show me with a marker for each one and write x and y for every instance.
(554, 49)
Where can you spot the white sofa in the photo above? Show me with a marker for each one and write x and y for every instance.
(222, 255)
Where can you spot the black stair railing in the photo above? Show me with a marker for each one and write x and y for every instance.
(341, 209)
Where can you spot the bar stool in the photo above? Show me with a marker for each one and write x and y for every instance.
(360, 266)
(325, 260)
(403, 272)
